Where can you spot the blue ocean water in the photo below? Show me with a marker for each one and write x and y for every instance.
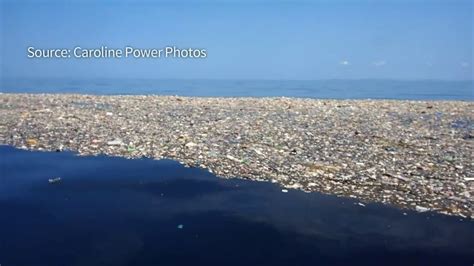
(114, 211)
(325, 89)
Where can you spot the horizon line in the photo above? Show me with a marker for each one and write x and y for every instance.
(237, 79)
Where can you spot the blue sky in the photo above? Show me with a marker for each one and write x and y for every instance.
(245, 39)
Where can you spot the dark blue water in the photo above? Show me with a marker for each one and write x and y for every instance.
(332, 89)
(113, 211)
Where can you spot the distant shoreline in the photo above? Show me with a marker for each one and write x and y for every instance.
(410, 153)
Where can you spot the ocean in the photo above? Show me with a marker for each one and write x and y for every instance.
(114, 211)
(323, 89)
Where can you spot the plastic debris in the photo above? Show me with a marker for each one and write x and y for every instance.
(32, 142)
(54, 180)
(115, 143)
(421, 209)
(371, 150)
(190, 145)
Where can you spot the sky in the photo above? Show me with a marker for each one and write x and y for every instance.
(289, 40)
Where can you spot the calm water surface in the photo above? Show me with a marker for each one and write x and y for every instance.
(113, 211)
(327, 89)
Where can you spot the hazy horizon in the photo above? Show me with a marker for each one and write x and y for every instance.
(237, 79)
(329, 88)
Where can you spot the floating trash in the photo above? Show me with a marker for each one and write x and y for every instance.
(54, 180)
(32, 142)
(371, 150)
(421, 209)
(115, 143)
